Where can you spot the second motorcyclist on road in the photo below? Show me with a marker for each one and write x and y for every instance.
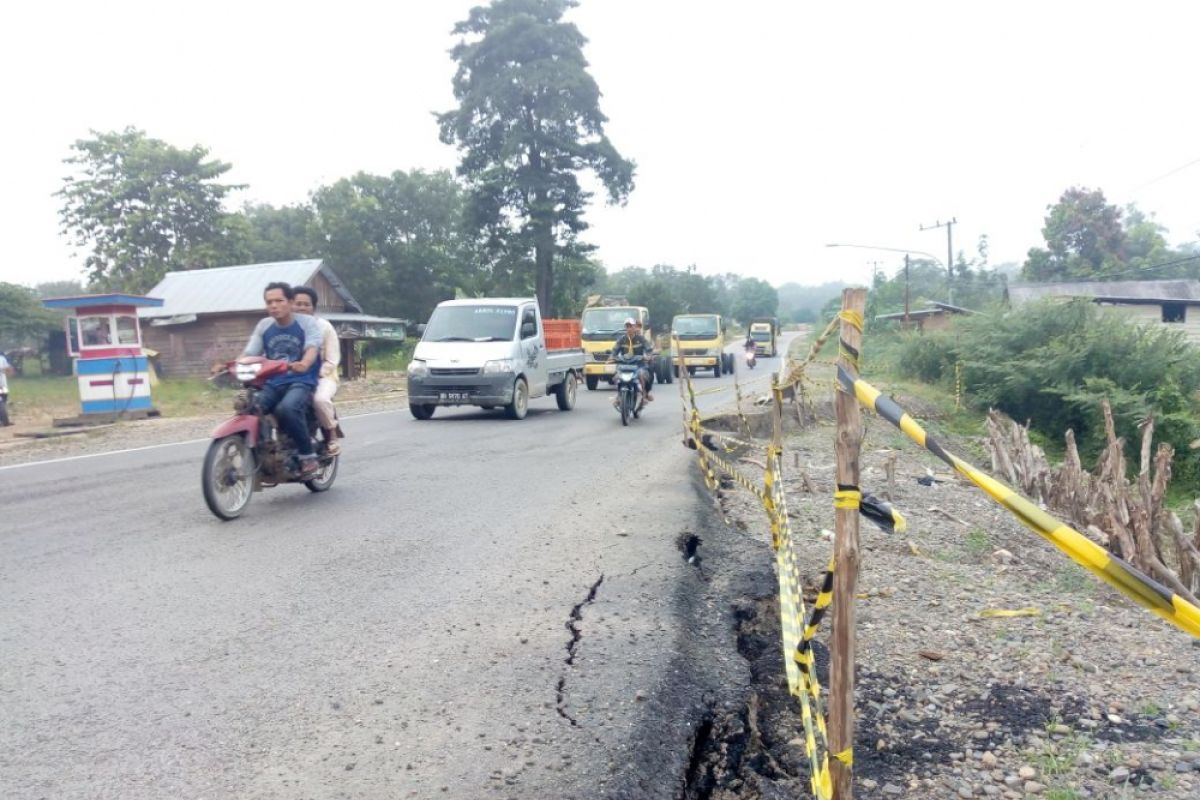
(633, 343)
(294, 338)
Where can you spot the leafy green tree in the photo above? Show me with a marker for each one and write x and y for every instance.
(279, 233)
(1085, 239)
(623, 281)
(670, 291)
(143, 207)
(799, 303)
(754, 298)
(396, 240)
(528, 122)
(58, 289)
(23, 321)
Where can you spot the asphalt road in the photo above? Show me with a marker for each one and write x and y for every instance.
(478, 608)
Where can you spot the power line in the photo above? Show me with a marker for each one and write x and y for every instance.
(1171, 263)
(1164, 176)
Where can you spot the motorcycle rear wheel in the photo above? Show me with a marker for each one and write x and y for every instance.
(324, 478)
(228, 477)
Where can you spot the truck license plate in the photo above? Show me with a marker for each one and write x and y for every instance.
(453, 397)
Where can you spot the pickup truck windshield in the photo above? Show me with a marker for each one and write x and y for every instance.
(695, 327)
(471, 324)
(607, 320)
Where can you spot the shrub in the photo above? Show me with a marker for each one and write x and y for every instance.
(1054, 363)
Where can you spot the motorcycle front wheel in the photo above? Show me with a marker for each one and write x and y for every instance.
(625, 408)
(228, 477)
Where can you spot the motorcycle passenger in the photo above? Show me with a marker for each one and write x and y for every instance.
(295, 338)
(634, 344)
(305, 302)
(749, 344)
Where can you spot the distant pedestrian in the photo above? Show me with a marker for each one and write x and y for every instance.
(6, 369)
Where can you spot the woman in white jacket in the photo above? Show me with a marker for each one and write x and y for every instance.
(305, 302)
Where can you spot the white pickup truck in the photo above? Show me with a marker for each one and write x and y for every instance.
(491, 352)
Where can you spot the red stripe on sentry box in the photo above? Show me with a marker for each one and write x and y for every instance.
(135, 382)
(100, 383)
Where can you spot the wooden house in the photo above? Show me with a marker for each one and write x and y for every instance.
(207, 315)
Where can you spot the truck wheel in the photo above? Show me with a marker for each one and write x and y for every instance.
(422, 411)
(730, 364)
(592, 382)
(519, 406)
(565, 394)
(717, 371)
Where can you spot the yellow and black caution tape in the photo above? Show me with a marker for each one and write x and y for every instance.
(882, 514)
(1123, 577)
(797, 633)
(798, 663)
(1029, 611)
(707, 454)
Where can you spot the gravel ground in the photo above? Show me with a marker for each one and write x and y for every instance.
(1091, 697)
(381, 392)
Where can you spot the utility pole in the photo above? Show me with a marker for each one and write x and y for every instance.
(874, 272)
(949, 226)
(906, 291)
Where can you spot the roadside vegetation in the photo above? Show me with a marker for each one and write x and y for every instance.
(1052, 365)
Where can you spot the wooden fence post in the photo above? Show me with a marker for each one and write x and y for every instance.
(846, 555)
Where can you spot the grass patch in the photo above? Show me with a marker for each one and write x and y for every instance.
(977, 543)
(1061, 794)
(1069, 579)
(390, 357)
(41, 398)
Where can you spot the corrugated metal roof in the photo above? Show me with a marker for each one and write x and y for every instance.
(1113, 291)
(231, 289)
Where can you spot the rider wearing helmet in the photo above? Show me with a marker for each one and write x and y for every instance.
(633, 343)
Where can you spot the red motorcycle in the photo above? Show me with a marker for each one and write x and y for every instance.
(250, 452)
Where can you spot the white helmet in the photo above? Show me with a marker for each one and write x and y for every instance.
(630, 321)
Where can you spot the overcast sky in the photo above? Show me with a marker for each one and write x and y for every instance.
(761, 130)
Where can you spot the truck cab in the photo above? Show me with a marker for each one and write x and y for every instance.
(601, 326)
(698, 342)
(493, 352)
(765, 333)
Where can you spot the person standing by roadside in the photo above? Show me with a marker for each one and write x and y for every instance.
(6, 369)
(305, 302)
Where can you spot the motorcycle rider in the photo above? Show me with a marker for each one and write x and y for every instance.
(295, 338)
(305, 302)
(633, 343)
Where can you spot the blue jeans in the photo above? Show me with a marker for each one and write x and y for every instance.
(290, 403)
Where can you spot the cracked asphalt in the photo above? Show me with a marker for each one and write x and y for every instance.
(478, 608)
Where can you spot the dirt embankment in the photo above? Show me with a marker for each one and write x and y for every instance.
(1086, 697)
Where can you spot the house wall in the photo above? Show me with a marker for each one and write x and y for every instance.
(192, 350)
(327, 298)
(1152, 315)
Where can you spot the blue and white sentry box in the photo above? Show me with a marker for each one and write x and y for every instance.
(104, 336)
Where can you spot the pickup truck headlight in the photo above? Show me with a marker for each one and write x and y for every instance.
(418, 369)
(499, 366)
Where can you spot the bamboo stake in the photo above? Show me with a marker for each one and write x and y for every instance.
(846, 557)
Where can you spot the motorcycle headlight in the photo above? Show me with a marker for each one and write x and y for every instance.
(499, 366)
(417, 369)
(247, 372)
